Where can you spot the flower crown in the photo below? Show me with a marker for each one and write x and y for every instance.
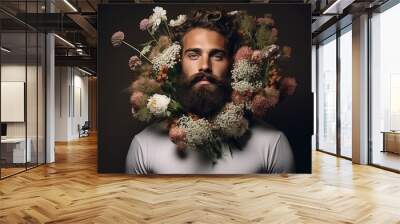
(257, 81)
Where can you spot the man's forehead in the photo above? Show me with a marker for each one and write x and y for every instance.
(203, 39)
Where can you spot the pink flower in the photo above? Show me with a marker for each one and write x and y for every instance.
(117, 38)
(144, 24)
(134, 62)
(289, 85)
(177, 136)
(244, 52)
(238, 97)
(138, 100)
(256, 56)
(259, 105)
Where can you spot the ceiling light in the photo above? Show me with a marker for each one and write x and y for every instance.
(5, 50)
(65, 41)
(70, 5)
(84, 71)
(337, 7)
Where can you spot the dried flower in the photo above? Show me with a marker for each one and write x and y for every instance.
(179, 21)
(230, 121)
(244, 52)
(287, 51)
(164, 42)
(245, 86)
(138, 99)
(177, 134)
(162, 75)
(158, 104)
(244, 70)
(145, 50)
(259, 105)
(134, 62)
(271, 50)
(117, 38)
(145, 85)
(168, 57)
(256, 56)
(198, 131)
(157, 17)
(145, 24)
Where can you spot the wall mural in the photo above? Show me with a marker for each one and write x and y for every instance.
(210, 90)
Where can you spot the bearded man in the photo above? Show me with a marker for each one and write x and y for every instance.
(208, 41)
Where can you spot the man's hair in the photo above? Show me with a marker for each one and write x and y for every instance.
(215, 20)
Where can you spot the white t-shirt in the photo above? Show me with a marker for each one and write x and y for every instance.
(266, 151)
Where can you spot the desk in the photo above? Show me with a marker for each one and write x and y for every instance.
(13, 150)
(391, 141)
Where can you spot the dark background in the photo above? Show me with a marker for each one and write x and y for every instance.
(294, 116)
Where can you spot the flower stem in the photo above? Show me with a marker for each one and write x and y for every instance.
(169, 33)
(134, 48)
(151, 35)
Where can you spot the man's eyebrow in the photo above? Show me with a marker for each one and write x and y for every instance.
(213, 51)
(197, 50)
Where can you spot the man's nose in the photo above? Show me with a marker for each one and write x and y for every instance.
(205, 64)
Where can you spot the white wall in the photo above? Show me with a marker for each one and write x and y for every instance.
(71, 102)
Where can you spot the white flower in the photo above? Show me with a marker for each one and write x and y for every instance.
(155, 19)
(158, 104)
(179, 21)
(244, 70)
(231, 13)
(245, 86)
(168, 57)
(231, 122)
(198, 132)
(271, 50)
(145, 50)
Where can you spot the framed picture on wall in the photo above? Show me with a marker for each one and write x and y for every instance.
(204, 88)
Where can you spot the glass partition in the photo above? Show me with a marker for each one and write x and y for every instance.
(327, 95)
(385, 89)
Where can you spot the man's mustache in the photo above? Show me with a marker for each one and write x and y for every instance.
(204, 76)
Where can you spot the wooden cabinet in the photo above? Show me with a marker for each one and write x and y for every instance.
(391, 142)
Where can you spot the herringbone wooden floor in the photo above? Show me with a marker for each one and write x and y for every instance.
(71, 191)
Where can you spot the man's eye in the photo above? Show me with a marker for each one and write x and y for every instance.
(219, 57)
(193, 56)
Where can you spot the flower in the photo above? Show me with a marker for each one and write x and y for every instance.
(265, 21)
(259, 105)
(179, 21)
(134, 62)
(244, 70)
(145, 85)
(244, 52)
(138, 99)
(198, 132)
(245, 86)
(145, 24)
(117, 38)
(155, 19)
(232, 13)
(158, 104)
(230, 121)
(164, 42)
(168, 57)
(162, 75)
(177, 134)
(287, 51)
(288, 85)
(256, 56)
(145, 50)
(271, 50)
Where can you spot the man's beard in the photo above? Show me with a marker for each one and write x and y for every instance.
(204, 100)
